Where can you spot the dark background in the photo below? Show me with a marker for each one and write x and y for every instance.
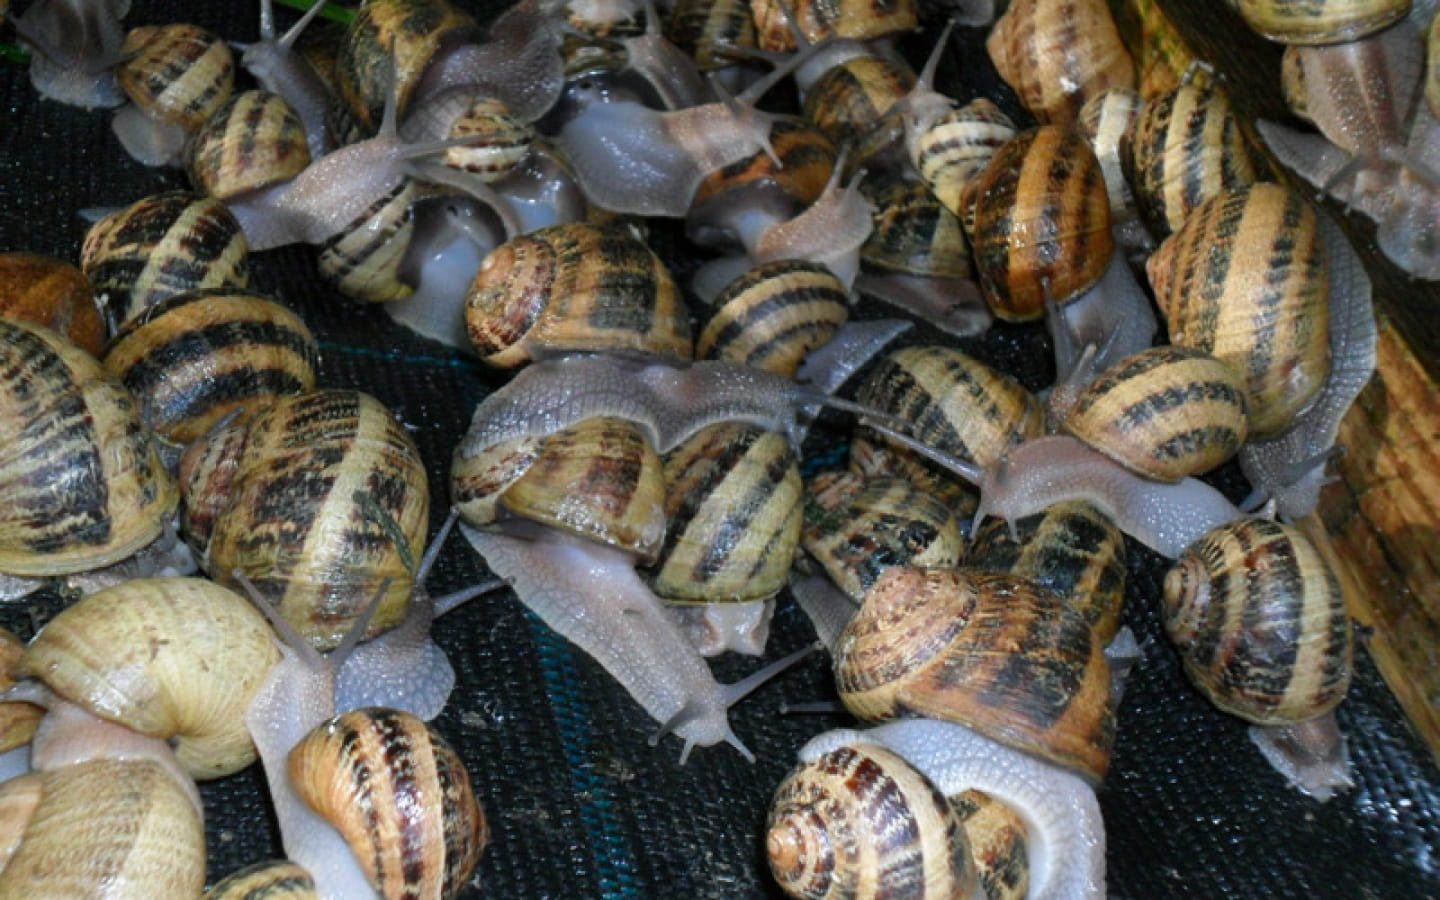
(580, 806)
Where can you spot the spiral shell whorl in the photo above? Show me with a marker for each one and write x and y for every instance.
(862, 823)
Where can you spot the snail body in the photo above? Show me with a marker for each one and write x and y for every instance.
(78, 45)
(282, 69)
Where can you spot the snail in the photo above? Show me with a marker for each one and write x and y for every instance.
(708, 29)
(772, 316)
(319, 498)
(282, 70)
(1065, 834)
(1377, 148)
(1057, 54)
(1104, 120)
(253, 140)
(1330, 22)
(84, 488)
(1260, 622)
(162, 245)
(176, 77)
(106, 812)
(53, 293)
(77, 44)
(995, 653)
(780, 27)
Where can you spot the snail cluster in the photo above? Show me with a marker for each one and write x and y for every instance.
(637, 481)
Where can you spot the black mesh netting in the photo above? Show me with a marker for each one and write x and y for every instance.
(580, 806)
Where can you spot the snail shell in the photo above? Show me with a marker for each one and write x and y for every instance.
(162, 245)
(849, 100)
(1072, 548)
(275, 880)
(194, 358)
(956, 148)
(1260, 622)
(364, 259)
(775, 314)
(1184, 147)
(1057, 54)
(53, 293)
(914, 233)
(17, 719)
(1321, 21)
(992, 652)
(1165, 412)
(1104, 120)
(1246, 280)
(705, 29)
(574, 287)
(318, 499)
(401, 797)
(176, 76)
(498, 139)
(81, 486)
(857, 527)
(998, 843)
(819, 19)
(1042, 222)
(599, 479)
(956, 403)
(254, 140)
(175, 658)
(863, 823)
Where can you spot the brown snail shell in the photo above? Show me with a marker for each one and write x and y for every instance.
(574, 287)
(956, 403)
(733, 510)
(705, 29)
(775, 314)
(1057, 54)
(162, 245)
(400, 796)
(1184, 147)
(914, 233)
(1163, 56)
(1042, 223)
(53, 293)
(992, 652)
(254, 140)
(194, 358)
(1166, 412)
(81, 486)
(319, 499)
(956, 149)
(274, 880)
(1260, 622)
(999, 844)
(363, 260)
(175, 658)
(849, 100)
(1246, 280)
(863, 823)
(1321, 21)
(1071, 548)
(857, 527)
(121, 829)
(819, 19)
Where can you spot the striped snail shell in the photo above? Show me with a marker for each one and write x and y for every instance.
(975, 649)
(1042, 222)
(733, 510)
(1260, 622)
(273, 880)
(863, 823)
(705, 29)
(254, 140)
(858, 19)
(857, 527)
(409, 32)
(914, 232)
(1321, 21)
(162, 245)
(774, 314)
(1057, 54)
(174, 658)
(956, 148)
(81, 486)
(1264, 311)
(600, 479)
(498, 139)
(729, 199)
(176, 77)
(53, 293)
(194, 358)
(1184, 147)
(318, 499)
(1072, 548)
(958, 405)
(575, 287)
(999, 844)
(1166, 412)
(364, 259)
(400, 796)
(849, 100)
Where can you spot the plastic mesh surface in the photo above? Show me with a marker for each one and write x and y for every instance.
(579, 805)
